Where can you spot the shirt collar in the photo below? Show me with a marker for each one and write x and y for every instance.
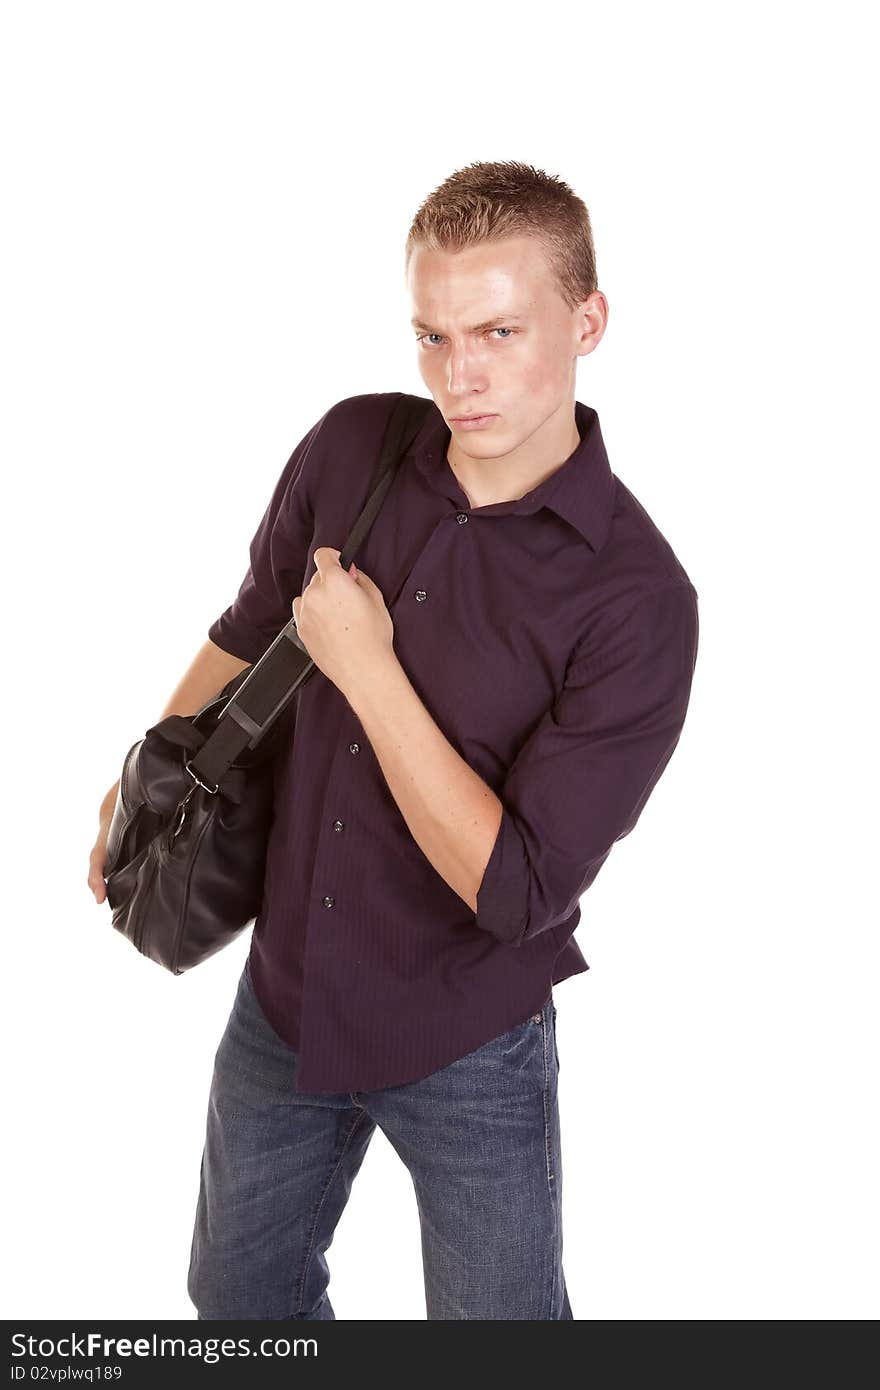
(581, 490)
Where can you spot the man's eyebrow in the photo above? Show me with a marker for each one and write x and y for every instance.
(476, 327)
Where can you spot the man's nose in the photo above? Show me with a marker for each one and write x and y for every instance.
(465, 372)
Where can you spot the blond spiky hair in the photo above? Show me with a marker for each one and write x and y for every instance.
(485, 201)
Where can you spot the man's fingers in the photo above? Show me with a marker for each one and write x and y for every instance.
(96, 876)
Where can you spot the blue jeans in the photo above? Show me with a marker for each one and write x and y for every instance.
(480, 1139)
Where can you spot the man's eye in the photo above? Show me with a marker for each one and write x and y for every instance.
(420, 337)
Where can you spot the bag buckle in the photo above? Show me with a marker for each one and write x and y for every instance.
(181, 810)
(198, 779)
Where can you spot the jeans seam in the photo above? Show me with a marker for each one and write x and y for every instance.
(545, 1096)
(546, 1099)
(310, 1249)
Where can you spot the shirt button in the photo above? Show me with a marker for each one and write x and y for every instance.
(354, 748)
(536, 1018)
(420, 595)
(338, 825)
(328, 902)
(461, 518)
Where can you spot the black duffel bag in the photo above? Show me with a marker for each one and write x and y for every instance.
(186, 846)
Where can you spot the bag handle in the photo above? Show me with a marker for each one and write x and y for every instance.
(267, 689)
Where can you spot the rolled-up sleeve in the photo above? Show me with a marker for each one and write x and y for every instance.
(581, 779)
(278, 557)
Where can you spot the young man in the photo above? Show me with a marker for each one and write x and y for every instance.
(502, 677)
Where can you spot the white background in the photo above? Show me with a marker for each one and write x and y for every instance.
(206, 208)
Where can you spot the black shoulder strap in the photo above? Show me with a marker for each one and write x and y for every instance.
(268, 687)
(407, 418)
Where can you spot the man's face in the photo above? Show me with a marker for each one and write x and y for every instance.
(495, 336)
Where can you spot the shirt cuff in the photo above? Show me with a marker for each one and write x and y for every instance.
(233, 633)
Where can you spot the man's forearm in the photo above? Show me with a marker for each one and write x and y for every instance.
(210, 669)
(452, 814)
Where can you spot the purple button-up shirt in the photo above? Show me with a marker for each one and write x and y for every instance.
(553, 641)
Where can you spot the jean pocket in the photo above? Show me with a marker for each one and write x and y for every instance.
(520, 1046)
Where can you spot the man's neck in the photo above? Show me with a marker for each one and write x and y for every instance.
(487, 481)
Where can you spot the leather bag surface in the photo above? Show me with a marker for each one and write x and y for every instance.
(186, 846)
